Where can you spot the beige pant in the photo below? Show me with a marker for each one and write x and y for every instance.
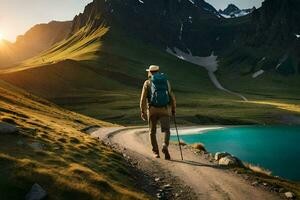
(159, 115)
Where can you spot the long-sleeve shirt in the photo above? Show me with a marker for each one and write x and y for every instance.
(144, 104)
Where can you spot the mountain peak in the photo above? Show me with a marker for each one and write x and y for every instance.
(233, 11)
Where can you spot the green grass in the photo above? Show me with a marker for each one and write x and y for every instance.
(101, 76)
(70, 165)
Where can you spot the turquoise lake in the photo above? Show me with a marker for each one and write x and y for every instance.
(276, 148)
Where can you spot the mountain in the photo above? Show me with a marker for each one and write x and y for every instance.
(100, 68)
(268, 41)
(233, 11)
(39, 38)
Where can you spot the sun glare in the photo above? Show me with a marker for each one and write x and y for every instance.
(1, 36)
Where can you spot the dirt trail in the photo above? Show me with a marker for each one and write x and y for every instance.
(205, 179)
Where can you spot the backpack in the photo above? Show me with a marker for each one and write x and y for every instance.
(159, 91)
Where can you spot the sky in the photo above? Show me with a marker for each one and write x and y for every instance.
(18, 16)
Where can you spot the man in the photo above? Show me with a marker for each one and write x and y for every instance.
(157, 103)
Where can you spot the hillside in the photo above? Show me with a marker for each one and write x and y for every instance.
(39, 38)
(49, 149)
(99, 70)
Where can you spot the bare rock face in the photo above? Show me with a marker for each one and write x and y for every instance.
(220, 155)
(36, 193)
(6, 128)
(230, 161)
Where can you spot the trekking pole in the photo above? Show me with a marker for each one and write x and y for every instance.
(177, 136)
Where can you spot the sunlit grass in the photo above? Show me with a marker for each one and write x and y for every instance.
(283, 106)
(69, 165)
(76, 47)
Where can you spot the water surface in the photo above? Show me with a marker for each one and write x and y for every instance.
(273, 147)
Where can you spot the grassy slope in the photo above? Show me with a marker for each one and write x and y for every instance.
(71, 165)
(105, 75)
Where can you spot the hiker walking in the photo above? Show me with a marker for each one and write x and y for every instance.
(157, 104)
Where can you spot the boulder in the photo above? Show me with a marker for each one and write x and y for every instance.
(199, 146)
(289, 195)
(6, 128)
(36, 193)
(230, 161)
(220, 155)
(90, 129)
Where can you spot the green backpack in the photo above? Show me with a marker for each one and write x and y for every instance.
(159, 91)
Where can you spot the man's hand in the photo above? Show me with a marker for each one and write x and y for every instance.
(144, 116)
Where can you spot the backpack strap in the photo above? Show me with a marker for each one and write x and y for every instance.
(149, 91)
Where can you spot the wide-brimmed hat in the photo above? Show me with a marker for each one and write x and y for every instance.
(153, 68)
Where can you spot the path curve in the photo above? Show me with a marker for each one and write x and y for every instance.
(206, 179)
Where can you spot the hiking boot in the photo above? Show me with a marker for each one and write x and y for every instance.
(156, 155)
(166, 152)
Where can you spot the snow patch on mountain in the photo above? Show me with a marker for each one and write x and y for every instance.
(258, 73)
(180, 32)
(192, 2)
(232, 11)
(210, 63)
(282, 60)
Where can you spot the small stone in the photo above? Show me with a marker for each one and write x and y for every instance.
(36, 146)
(265, 184)
(6, 128)
(177, 195)
(255, 183)
(230, 161)
(158, 195)
(167, 186)
(289, 195)
(220, 155)
(36, 193)
(157, 179)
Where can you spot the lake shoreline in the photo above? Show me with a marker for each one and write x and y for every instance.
(193, 130)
